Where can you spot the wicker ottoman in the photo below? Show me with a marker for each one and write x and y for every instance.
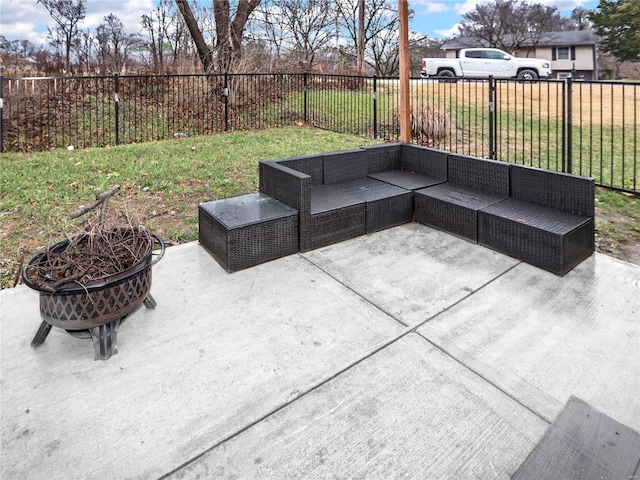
(241, 232)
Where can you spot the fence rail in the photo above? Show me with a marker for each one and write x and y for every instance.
(587, 128)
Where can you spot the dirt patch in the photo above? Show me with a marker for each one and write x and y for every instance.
(618, 235)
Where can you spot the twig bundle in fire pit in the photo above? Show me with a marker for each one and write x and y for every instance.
(96, 255)
(93, 280)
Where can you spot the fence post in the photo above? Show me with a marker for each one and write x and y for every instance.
(375, 106)
(569, 124)
(304, 93)
(225, 92)
(493, 138)
(1, 110)
(563, 132)
(116, 99)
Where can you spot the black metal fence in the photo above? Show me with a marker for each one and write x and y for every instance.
(587, 128)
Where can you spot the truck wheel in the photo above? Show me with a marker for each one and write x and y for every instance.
(527, 74)
(446, 75)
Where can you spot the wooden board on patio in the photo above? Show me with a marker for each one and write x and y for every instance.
(583, 443)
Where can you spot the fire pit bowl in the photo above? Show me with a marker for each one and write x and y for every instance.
(98, 305)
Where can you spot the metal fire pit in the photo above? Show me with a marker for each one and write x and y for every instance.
(98, 307)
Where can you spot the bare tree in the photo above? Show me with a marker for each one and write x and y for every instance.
(511, 24)
(228, 32)
(67, 14)
(579, 19)
(204, 52)
(154, 25)
(305, 26)
(115, 44)
(266, 28)
(86, 44)
(381, 18)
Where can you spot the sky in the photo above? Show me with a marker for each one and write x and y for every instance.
(27, 19)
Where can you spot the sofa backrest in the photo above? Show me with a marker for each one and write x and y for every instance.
(479, 173)
(308, 164)
(344, 166)
(562, 191)
(425, 160)
(384, 157)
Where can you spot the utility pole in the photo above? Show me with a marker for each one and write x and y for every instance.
(405, 103)
(361, 37)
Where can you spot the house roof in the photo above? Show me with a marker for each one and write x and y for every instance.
(551, 39)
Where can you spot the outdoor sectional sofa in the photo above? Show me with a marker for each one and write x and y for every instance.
(540, 217)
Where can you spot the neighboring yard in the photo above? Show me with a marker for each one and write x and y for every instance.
(163, 182)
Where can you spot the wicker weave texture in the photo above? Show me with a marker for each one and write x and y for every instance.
(335, 226)
(344, 166)
(381, 158)
(286, 185)
(389, 212)
(453, 208)
(561, 191)
(447, 216)
(554, 242)
(292, 188)
(308, 164)
(249, 245)
(479, 173)
(386, 205)
(425, 160)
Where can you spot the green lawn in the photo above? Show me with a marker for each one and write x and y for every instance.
(161, 183)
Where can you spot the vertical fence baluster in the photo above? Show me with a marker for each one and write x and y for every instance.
(225, 92)
(569, 125)
(116, 105)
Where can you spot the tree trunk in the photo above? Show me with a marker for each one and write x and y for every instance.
(204, 52)
(229, 32)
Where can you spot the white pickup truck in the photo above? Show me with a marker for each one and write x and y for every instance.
(485, 62)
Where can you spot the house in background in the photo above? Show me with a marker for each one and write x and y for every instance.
(573, 54)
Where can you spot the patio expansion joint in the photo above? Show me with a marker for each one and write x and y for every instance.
(355, 363)
(368, 300)
(469, 367)
(487, 379)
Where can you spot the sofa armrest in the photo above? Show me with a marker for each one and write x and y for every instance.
(286, 185)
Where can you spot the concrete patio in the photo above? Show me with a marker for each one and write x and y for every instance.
(408, 353)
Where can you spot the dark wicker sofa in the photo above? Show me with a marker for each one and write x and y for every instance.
(548, 220)
(540, 217)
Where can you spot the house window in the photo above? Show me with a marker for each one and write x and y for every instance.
(563, 53)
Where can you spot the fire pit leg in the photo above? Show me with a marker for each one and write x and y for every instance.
(105, 340)
(150, 302)
(41, 334)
